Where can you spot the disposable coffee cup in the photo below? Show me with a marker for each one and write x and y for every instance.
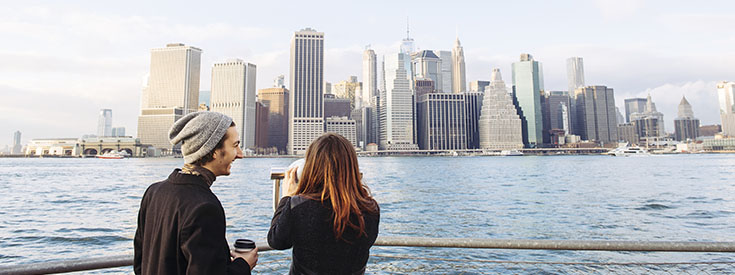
(244, 245)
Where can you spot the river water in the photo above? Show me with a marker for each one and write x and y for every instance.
(53, 209)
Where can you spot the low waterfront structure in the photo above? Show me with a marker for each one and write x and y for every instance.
(719, 144)
(89, 146)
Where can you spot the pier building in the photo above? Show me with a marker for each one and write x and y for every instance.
(89, 146)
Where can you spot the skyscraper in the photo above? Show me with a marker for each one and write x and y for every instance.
(423, 86)
(306, 97)
(499, 125)
(634, 105)
(726, 96)
(366, 126)
(171, 92)
(426, 64)
(459, 79)
(396, 106)
(473, 106)
(407, 48)
(118, 132)
(261, 125)
(104, 123)
(335, 106)
(445, 73)
(528, 83)
(279, 82)
(619, 116)
(276, 100)
(686, 126)
(346, 89)
(233, 94)
(369, 77)
(559, 106)
(441, 121)
(575, 73)
(478, 85)
(649, 124)
(596, 117)
(342, 126)
(17, 147)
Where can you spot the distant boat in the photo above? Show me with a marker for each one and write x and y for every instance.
(513, 152)
(628, 152)
(112, 155)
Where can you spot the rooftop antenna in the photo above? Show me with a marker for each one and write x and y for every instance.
(407, 28)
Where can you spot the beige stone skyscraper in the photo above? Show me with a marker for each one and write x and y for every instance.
(171, 92)
(346, 89)
(306, 97)
(233, 94)
(726, 95)
(459, 80)
(369, 77)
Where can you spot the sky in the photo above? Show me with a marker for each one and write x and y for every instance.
(63, 61)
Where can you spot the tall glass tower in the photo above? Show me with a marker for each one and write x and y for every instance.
(528, 84)
(104, 123)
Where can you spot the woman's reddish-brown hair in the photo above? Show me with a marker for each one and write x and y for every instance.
(331, 174)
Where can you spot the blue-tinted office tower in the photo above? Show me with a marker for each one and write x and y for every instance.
(528, 83)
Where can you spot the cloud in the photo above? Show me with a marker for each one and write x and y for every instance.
(619, 9)
(697, 22)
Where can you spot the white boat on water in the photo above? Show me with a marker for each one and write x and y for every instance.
(113, 155)
(513, 152)
(628, 152)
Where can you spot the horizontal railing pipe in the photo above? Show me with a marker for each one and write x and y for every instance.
(661, 246)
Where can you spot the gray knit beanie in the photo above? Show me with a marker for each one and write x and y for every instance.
(199, 133)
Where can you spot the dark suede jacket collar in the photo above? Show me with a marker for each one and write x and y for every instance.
(196, 175)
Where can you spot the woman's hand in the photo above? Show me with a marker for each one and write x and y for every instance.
(290, 181)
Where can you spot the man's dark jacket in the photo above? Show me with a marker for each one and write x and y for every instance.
(181, 229)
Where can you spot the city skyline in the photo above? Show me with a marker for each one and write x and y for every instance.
(108, 67)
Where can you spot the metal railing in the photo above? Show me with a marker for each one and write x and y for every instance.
(596, 245)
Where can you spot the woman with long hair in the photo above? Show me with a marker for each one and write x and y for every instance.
(328, 217)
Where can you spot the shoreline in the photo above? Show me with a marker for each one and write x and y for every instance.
(384, 154)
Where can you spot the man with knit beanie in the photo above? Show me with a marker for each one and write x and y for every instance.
(181, 223)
